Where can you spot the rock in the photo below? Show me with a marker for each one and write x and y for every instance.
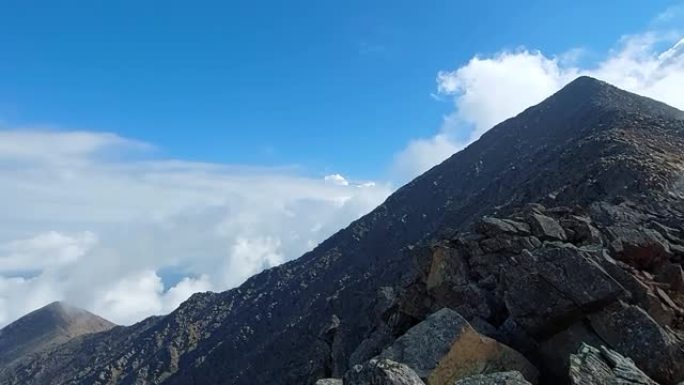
(329, 381)
(546, 228)
(381, 372)
(371, 346)
(448, 269)
(554, 353)
(673, 275)
(604, 366)
(554, 286)
(582, 230)
(444, 348)
(493, 227)
(500, 378)
(642, 248)
(631, 331)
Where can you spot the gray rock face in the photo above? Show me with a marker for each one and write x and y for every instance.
(444, 347)
(604, 366)
(631, 331)
(424, 345)
(381, 372)
(642, 248)
(496, 226)
(554, 286)
(500, 378)
(546, 228)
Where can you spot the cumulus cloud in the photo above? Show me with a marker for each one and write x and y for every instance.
(44, 250)
(131, 236)
(489, 89)
(336, 179)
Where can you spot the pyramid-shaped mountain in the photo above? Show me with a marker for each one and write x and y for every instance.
(559, 227)
(47, 327)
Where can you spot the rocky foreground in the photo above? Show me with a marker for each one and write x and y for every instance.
(548, 252)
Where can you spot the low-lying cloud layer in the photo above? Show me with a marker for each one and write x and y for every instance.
(490, 89)
(131, 238)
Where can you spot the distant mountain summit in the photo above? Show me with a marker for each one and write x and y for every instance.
(46, 327)
(551, 247)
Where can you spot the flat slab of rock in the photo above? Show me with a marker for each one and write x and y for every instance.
(329, 381)
(493, 227)
(552, 287)
(546, 227)
(500, 378)
(604, 366)
(380, 372)
(445, 348)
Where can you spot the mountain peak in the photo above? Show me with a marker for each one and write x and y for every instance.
(50, 325)
(591, 94)
(590, 176)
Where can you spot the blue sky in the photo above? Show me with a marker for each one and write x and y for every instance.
(330, 86)
(151, 150)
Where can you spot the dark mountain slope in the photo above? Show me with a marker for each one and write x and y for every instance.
(590, 144)
(47, 327)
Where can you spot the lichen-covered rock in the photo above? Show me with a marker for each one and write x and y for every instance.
(381, 372)
(604, 367)
(499, 378)
(444, 348)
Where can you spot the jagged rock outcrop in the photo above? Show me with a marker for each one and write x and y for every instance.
(500, 378)
(381, 372)
(546, 298)
(444, 348)
(606, 367)
(582, 204)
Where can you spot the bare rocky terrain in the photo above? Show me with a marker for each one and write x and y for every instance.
(47, 327)
(549, 251)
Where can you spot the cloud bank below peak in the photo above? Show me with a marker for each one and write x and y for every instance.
(128, 236)
(489, 89)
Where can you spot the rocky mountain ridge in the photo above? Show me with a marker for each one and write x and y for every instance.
(559, 227)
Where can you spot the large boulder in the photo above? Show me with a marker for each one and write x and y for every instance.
(605, 367)
(500, 378)
(381, 372)
(444, 348)
(553, 287)
(546, 228)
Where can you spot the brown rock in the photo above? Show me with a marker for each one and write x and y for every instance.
(444, 348)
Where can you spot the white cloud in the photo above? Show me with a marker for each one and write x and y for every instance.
(129, 237)
(44, 250)
(490, 89)
(336, 179)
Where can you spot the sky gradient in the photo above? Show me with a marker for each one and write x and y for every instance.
(324, 85)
